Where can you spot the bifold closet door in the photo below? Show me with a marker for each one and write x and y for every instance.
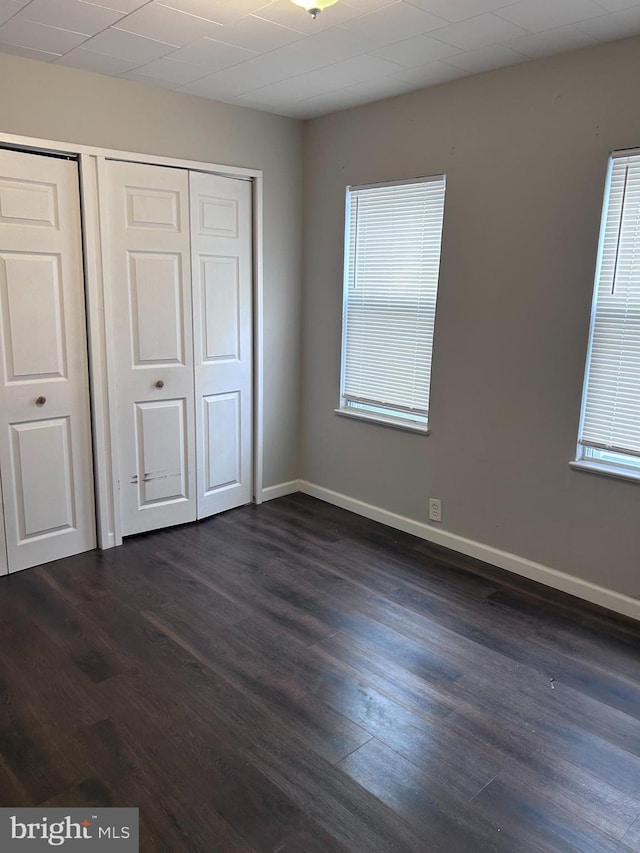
(147, 248)
(221, 236)
(45, 430)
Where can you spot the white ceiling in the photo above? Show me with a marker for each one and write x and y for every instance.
(271, 55)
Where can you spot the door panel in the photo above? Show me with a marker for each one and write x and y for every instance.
(222, 429)
(28, 202)
(146, 219)
(220, 279)
(149, 208)
(32, 312)
(157, 297)
(45, 434)
(38, 446)
(161, 444)
(222, 296)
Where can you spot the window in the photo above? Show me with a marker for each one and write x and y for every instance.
(609, 437)
(392, 261)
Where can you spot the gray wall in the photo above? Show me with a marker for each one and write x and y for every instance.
(525, 152)
(63, 104)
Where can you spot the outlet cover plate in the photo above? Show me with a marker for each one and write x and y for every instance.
(435, 509)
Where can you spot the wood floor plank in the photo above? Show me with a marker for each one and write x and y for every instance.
(64, 625)
(332, 734)
(588, 793)
(632, 837)
(405, 688)
(414, 790)
(134, 764)
(538, 821)
(317, 841)
(373, 711)
(208, 757)
(496, 715)
(353, 816)
(42, 679)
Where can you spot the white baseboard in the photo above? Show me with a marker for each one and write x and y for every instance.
(269, 493)
(607, 598)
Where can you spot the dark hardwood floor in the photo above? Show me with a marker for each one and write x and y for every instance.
(296, 679)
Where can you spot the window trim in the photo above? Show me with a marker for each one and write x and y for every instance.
(347, 408)
(383, 420)
(593, 466)
(582, 461)
(608, 467)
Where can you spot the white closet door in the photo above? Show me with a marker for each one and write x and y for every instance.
(147, 247)
(45, 433)
(221, 228)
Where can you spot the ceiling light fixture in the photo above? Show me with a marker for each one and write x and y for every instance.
(314, 7)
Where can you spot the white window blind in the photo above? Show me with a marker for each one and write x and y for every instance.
(611, 402)
(392, 261)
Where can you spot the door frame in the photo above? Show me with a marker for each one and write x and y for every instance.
(102, 379)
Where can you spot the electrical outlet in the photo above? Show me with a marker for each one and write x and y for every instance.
(435, 509)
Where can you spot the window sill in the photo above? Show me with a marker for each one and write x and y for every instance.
(592, 467)
(383, 420)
